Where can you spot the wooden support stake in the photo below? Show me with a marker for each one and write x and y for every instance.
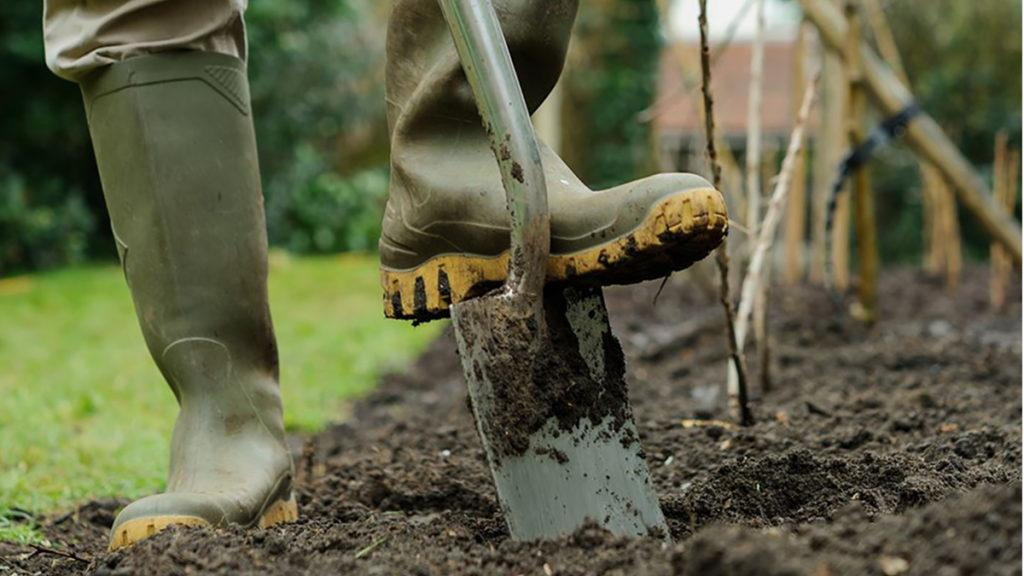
(934, 244)
(796, 209)
(934, 257)
(828, 153)
(952, 249)
(1004, 180)
(867, 242)
(841, 243)
(923, 135)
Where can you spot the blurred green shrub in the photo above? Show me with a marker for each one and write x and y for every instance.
(316, 70)
(40, 226)
(311, 209)
(964, 61)
(51, 209)
(611, 77)
(317, 75)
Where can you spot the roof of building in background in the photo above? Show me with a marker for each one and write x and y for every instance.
(677, 109)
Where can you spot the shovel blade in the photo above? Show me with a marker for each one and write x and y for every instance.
(550, 402)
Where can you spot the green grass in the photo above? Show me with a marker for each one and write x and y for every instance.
(85, 414)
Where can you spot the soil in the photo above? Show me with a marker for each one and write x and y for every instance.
(890, 450)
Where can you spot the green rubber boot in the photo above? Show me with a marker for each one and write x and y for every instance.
(445, 233)
(176, 152)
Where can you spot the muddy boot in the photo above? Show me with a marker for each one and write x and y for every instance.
(445, 234)
(176, 152)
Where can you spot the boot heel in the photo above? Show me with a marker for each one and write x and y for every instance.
(280, 512)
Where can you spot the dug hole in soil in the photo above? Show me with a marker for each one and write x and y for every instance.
(892, 450)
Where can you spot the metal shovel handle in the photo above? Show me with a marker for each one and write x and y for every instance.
(488, 65)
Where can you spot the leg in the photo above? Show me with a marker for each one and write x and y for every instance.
(176, 152)
(445, 233)
(81, 37)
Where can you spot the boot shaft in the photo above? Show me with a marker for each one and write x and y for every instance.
(176, 152)
(427, 92)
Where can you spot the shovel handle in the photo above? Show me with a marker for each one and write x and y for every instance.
(488, 66)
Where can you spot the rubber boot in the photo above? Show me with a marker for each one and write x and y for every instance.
(445, 232)
(176, 152)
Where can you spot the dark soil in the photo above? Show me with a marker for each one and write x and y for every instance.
(892, 450)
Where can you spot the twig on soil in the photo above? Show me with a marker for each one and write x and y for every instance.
(692, 423)
(738, 402)
(366, 551)
(38, 549)
(755, 272)
(813, 408)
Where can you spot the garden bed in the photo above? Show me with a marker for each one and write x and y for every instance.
(892, 450)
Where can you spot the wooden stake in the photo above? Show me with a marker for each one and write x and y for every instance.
(796, 212)
(953, 250)
(1004, 188)
(923, 134)
(867, 242)
(933, 203)
(841, 243)
(829, 149)
(934, 257)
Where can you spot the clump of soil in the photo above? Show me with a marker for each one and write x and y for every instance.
(891, 450)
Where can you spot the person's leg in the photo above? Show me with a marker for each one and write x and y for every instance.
(174, 142)
(446, 226)
(81, 37)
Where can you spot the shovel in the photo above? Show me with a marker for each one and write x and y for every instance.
(545, 373)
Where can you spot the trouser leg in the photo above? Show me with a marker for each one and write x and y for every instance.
(83, 36)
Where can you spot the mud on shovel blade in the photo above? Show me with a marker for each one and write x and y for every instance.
(545, 373)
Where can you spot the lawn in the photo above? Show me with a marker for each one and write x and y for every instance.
(85, 413)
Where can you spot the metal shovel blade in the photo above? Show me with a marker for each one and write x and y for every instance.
(545, 373)
(551, 407)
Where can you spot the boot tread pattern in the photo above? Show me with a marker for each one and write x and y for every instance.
(677, 232)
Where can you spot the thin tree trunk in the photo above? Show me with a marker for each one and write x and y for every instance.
(738, 398)
(755, 164)
(776, 207)
(754, 107)
(762, 334)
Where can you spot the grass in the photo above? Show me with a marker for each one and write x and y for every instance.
(85, 413)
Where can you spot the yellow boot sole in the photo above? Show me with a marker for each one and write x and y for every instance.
(139, 529)
(678, 231)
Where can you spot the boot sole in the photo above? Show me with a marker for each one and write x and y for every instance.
(677, 232)
(133, 531)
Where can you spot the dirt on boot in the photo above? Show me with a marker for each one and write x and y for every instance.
(894, 450)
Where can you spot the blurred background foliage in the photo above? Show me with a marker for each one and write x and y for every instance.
(317, 86)
(611, 75)
(964, 61)
(317, 70)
